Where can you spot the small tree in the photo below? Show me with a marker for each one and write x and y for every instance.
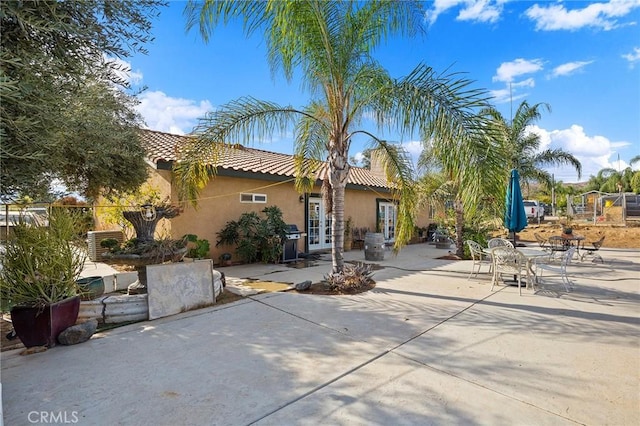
(63, 112)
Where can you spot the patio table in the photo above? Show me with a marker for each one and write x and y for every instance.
(531, 255)
(573, 241)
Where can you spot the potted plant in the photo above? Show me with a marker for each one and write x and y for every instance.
(40, 268)
(442, 239)
(225, 259)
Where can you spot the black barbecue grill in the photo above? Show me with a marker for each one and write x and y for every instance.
(290, 246)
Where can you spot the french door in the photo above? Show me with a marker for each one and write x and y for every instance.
(387, 215)
(319, 226)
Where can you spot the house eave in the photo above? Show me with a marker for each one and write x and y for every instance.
(168, 165)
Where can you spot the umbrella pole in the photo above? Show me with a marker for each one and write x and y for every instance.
(515, 245)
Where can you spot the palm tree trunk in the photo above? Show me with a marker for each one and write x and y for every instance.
(338, 178)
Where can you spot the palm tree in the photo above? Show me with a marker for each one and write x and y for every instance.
(330, 43)
(612, 180)
(522, 146)
(469, 173)
(635, 178)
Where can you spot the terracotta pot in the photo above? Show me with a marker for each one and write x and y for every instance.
(41, 327)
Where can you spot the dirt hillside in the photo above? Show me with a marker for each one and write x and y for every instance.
(615, 236)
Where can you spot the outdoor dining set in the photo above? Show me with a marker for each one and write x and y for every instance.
(527, 264)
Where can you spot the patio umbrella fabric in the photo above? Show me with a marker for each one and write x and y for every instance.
(515, 217)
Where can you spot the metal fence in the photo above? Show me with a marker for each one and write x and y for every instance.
(600, 207)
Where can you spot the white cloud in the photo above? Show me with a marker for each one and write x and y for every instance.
(596, 15)
(159, 111)
(172, 115)
(358, 157)
(507, 71)
(439, 7)
(502, 96)
(414, 148)
(529, 82)
(593, 152)
(568, 68)
(633, 57)
(481, 11)
(471, 10)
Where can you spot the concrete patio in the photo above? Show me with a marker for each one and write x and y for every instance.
(426, 346)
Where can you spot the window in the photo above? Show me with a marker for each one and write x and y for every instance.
(253, 198)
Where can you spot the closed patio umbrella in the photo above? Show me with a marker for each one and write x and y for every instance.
(515, 217)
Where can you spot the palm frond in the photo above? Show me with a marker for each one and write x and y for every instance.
(312, 136)
(398, 168)
(236, 122)
(244, 119)
(208, 14)
(558, 157)
(443, 105)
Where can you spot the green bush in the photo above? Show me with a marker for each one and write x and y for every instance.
(255, 238)
(479, 235)
(199, 249)
(110, 243)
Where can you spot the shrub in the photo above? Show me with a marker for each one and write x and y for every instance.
(256, 238)
(41, 264)
(479, 235)
(110, 243)
(353, 277)
(198, 248)
(160, 250)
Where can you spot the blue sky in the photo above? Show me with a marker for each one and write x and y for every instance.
(582, 58)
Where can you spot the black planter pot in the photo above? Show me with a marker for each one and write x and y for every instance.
(41, 327)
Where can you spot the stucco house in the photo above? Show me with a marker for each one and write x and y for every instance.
(251, 179)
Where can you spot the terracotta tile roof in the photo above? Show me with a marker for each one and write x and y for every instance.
(164, 147)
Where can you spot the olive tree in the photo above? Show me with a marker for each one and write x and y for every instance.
(65, 113)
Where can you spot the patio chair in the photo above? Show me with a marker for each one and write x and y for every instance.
(508, 260)
(499, 242)
(357, 237)
(479, 258)
(542, 241)
(591, 251)
(557, 244)
(561, 270)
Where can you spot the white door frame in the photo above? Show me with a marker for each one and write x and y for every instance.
(388, 216)
(318, 225)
